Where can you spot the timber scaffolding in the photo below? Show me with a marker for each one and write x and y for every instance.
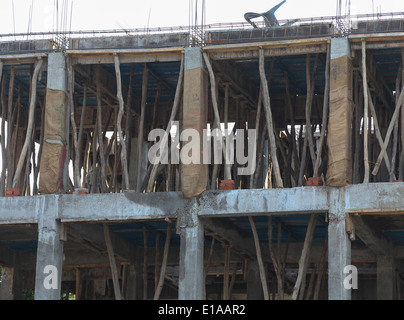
(327, 191)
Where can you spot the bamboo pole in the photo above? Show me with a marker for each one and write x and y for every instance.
(164, 263)
(124, 161)
(325, 114)
(112, 263)
(31, 111)
(298, 290)
(174, 110)
(259, 258)
(365, 115)
(268, 114)
(141, 127)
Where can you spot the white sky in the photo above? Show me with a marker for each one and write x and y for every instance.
(117, 14)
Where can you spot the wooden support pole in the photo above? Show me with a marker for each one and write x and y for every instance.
(41, 138)
(395, 131)
(213, 88)
(3, 132)
(100, 133)
(365, 114)
(156, 262)
(268, 114)
(78, 284)
(257, 129)
(112, 263)
(124, 161)
(298, 290)
(128, 110)
(227, 252)
(212, 246)
(321, 269)
(31, 111)
(164, 263)
(275, 260)
(144, 263)
(141, 128)
(80, 136)
(401, 165)
(310, 79)
(325, 114)
(174, 110)
(227, 168)
(10, 124)
(259, 258)
(389, 131)
(377, 130)
(70, 83)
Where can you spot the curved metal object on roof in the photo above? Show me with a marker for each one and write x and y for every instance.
(269, 17)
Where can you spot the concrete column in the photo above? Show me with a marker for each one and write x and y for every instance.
(191, 277)
(254, 285)
(48, 274)
(339, 137)
(56, 131)
(195, 116)
(339, 247)
(386, 278)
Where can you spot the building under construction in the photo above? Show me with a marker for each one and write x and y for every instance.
(85, 214)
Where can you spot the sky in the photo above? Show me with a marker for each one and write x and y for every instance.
(130, 14)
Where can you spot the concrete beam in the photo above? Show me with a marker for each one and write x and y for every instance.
(375, 198)
(106, 56)
(273, 48)
(265, 201)
(118, 207)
